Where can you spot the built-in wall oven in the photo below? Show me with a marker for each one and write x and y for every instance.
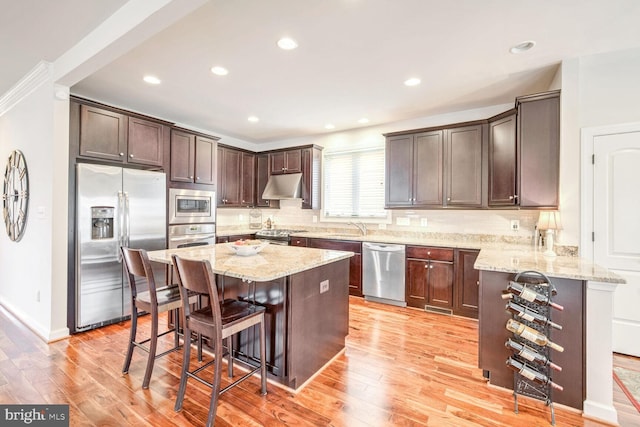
(188, 206)
(186, 235)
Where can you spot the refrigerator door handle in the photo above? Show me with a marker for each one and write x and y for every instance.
(127, 233)
(121, 224)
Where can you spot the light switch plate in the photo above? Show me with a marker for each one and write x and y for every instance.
(515, 225)
(423, 222)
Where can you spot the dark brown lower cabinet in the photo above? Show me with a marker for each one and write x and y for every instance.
(234, 237)
(429, 278)
(466, 289)
(355, 262)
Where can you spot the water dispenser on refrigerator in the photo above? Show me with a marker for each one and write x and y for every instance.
(102, 222)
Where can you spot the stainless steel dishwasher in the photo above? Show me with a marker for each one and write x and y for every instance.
(383, 273)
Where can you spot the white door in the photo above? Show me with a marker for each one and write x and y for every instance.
(616, 224)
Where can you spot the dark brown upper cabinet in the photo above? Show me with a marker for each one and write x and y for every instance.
(229, 177)
(464, 166)
(281, 162)
(248, 182)
(193, 158)
(538, 128)
(114, 136)
(503, 160)
(262, 176)
(414, 169)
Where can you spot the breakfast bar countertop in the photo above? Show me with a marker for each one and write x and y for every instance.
(273, 262)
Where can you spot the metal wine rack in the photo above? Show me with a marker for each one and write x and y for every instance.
(540, 283)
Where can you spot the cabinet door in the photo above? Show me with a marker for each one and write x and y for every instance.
(463, 167)
(205, 165)
(103, 134)
(440, 284)
(502, 161)
(293, 161)
(145, 144)
(355, 262)
(277, 163)
(183, 156)
(399, 171)
(228, 175)
(427, 166)
(416, 282)
(262, 176)
(539, 143)
(467, 284)
(248, 187)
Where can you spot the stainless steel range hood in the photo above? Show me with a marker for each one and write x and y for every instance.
(281, 187)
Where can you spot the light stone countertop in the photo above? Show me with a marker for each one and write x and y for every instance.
(495, 254)
(273, 262)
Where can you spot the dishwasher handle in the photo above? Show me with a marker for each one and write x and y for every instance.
(382, 247)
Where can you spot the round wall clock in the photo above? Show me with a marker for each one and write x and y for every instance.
(15, 195)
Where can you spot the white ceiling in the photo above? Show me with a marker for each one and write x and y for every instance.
(352, 59)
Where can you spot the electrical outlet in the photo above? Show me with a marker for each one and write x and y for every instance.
(423, 222)
(38, 296)
(403, 221)
(240, 217)
(515, 225)
(324, 286)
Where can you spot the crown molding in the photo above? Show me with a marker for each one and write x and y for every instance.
(38, 75)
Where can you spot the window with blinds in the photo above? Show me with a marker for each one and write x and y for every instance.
(354, 184)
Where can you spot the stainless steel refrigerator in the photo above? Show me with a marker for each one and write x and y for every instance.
(114, 206)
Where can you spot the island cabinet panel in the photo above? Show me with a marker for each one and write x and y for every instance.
(467, 284)
(355, 262)
(319, 319)
(429, 277)
(464, 170)
(103, 133)
(539, 145)
(492, 335)
(503, 160)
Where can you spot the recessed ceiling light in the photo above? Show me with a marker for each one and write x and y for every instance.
(329, 126)
(363, 120)
(219, 71)
(414, 81)
(253, 119)
(152, 80)
(522, 47)
(287, 44)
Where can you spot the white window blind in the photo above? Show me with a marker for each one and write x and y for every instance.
(354, 184)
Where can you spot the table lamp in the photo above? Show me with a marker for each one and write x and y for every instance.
(549, 221)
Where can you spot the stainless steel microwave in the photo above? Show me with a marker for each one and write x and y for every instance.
(191, 206)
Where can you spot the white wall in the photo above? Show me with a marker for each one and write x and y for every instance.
(27, 266)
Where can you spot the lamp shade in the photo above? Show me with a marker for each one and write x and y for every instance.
(549, 220)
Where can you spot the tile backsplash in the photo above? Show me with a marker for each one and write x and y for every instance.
(469, 222)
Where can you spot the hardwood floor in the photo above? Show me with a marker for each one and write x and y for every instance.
(401, 367)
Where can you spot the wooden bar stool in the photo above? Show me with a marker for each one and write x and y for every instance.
(153, 300)
(218, 321)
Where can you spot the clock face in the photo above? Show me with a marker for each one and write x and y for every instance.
(15, 195)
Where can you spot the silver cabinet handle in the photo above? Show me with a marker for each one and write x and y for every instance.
(448, 199)
(131, 155)
(191, 177)
(121, 154)
(429, 253)
(197, 178)
(510, 197)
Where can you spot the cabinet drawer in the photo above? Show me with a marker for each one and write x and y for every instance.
(338, 245)
(424, 252)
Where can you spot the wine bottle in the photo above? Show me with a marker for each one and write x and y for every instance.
(530, 354)
(530, 314)
(531, 334)
(526, 293)
(530, 373)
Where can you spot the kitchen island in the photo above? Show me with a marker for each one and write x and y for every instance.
(585, 290)
(306, 296)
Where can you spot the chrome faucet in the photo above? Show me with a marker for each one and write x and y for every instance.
(360, 226)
